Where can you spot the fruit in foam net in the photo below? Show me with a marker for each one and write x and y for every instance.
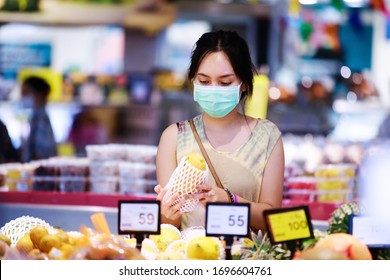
(172, 255)
(168, 234)
(149, 249)
(196, 160)
(205, 248)
(190, 173)
(179, 247)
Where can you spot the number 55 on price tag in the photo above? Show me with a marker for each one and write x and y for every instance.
(226, 219)
(288, 224)
(138, 217)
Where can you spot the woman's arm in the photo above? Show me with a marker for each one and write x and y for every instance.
(271, 189)
(165, 166)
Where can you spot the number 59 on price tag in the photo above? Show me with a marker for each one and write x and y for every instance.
(288, 224)
(135, 217)
(226, 219)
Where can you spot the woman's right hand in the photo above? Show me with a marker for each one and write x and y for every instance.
(169, 210)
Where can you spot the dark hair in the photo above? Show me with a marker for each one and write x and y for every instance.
(236, 49)
(38, 85)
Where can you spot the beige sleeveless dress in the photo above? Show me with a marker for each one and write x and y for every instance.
(241, 170)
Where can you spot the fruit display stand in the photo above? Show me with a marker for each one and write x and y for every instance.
(70, 210)
(64, 210)
(84, 226)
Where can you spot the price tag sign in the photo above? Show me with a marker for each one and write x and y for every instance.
(373, 232)
(288, 224)
(136, 217)
(226, 219)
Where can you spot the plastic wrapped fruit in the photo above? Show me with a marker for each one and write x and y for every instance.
(191, 172)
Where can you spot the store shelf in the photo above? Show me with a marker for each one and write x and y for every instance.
(74, 199)
(152, 18)
(319, 211)
(64, 210)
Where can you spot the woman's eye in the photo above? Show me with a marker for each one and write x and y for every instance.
(225, 84)
(204, 82)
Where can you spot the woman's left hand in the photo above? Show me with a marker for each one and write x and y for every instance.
(207, 193)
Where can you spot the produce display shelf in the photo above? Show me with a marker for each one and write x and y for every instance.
(319, 211)
(59, 198)
(70, 210)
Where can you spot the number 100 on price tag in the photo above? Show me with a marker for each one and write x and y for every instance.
(226, 219)
(288, 224)
(136, 216)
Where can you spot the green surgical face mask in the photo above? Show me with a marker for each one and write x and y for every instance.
(217, 101)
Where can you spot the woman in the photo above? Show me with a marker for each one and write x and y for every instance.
(246, 153)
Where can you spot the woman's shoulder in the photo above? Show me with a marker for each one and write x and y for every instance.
(267, 126)
(171, 130)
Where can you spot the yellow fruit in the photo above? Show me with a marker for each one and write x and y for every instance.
(170, 256)
(149, 249)
(6, 239)
(63, 236)
(205, 248)
(80, 241)
(168, 234)
(66, 249)
(132, 242)
(48, 242)
(179, 246)
(37, 233)
(196, 160)
(24, 244)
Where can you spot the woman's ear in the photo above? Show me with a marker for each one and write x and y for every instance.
(243, 88)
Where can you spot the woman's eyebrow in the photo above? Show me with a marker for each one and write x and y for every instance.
(222, 76)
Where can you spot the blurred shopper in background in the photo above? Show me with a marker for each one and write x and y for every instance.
(247, 153)
(40, 143)
(87, 130)
(8, 153)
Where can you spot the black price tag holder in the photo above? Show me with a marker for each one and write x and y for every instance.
(289, 226)
(139, 218)
(227, 221)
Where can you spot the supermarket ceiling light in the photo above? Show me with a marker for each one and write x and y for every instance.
(345, 72)
(307, 82)
(308, 2)
(274, 93)
(351, 97)
(356, 3)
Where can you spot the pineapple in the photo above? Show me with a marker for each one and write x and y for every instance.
(262, 249)
(339, 220)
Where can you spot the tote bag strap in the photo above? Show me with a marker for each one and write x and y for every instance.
(205, 155)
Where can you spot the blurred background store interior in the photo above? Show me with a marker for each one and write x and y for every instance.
(118, 71)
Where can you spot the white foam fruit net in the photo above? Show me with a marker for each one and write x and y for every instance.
(18, 227)
(184, 180)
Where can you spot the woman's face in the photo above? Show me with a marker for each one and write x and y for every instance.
(216, 70)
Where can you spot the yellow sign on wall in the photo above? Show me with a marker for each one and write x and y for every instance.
(53, 78)
(256, 105)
